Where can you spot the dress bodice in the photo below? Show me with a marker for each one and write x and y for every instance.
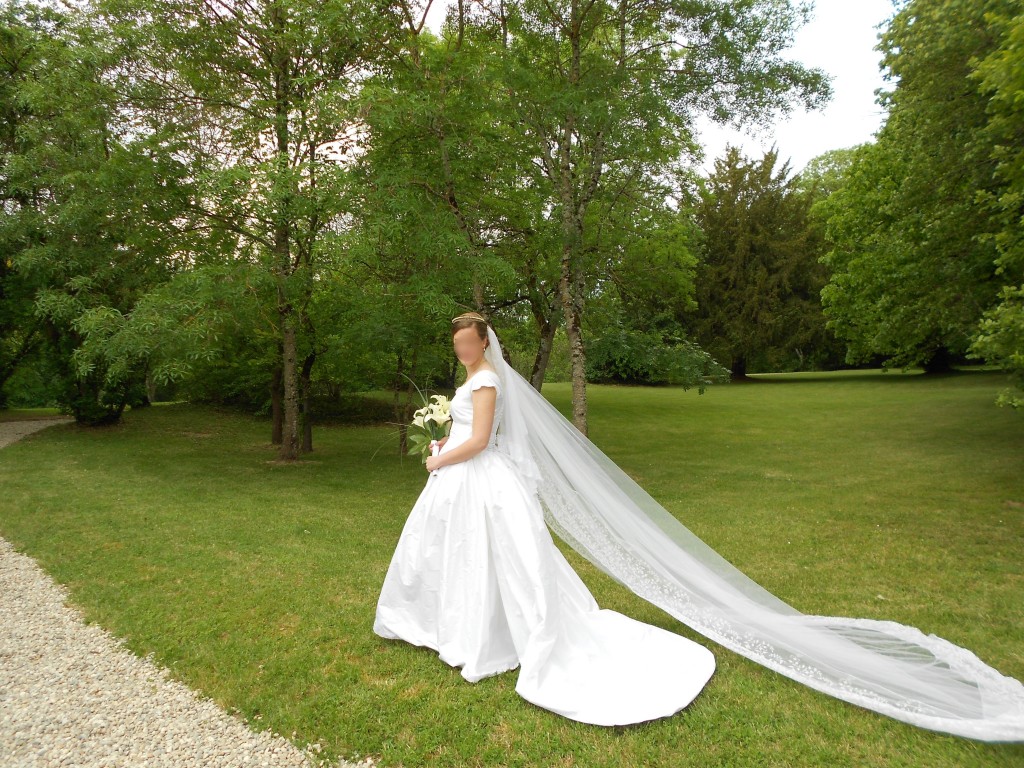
(461, 408)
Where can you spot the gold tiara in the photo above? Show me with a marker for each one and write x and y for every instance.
(469, 316)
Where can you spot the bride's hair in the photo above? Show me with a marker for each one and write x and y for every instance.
(470, 320)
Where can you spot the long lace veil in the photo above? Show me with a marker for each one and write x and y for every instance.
(604, 515)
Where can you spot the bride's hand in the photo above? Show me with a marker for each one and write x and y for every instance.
(433, 462)
(442, 441)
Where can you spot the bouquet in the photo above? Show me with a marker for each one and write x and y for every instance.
(429, 424)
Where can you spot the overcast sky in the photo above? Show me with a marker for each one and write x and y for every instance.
(840, 39)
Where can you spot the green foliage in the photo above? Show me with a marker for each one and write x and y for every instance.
(626, 355)
(184, 186)
(607, 94)
(1001, 74)
(912, 257)
(21, 330)
(426, 214)
(1001, 338)
(208, 331)
(636, 318)
(759, 280)
(77, 202)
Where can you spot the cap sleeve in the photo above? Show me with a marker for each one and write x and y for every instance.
(484, 379)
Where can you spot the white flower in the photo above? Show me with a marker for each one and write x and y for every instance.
(437, 414)
(437, 411)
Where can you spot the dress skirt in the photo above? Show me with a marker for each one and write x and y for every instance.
(477, 577)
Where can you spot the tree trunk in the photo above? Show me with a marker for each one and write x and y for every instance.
(575, 195)
(28, 345)
(290, 433)
(400, 411)
(276, 405)
(739, 369)
(282, 236)
(307, 402)
(540, 363)
(544, 313)
(941, 361)
(573, 329)
(150, 388)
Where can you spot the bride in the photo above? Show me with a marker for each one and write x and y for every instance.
(477, 577)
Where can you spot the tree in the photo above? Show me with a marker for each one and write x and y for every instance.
(606, 91)
(444, 145)
(638, 310)
(19, 57)
(251, 99)
(436, 182)
(911, 258)
(1001, 74)
(79, 204)
(510, 147)
(759, 280)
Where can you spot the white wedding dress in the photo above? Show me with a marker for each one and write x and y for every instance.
(477, 577)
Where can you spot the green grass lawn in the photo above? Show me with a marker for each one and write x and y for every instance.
(895, 496)
(30, 414)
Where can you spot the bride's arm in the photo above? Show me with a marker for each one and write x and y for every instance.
(484, 399)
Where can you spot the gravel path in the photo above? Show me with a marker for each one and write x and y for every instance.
(71, 694)
(15, 430)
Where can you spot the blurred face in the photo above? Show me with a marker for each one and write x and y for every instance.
(469, 347)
